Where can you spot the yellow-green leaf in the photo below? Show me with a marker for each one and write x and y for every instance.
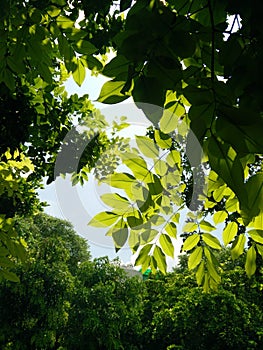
(256, 235)
(166, 245)
(250, 265)
(79, 73)
(230, 232)
(147, 147)
(219, 216)
(238, 246)
(191, 242)
(211, 241)
(104, 219)
(195, 258)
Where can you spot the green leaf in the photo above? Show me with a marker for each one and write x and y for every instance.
(220, 216)
(143, 254)
(230, 232)
(260, 249)
(191, 242)
(254, 204)
(148, 235)
(212, 272)
(224, 161)
(256, 235)
(211, 241)
(171, 229)
(174, 159)
(137, 165)
(104, 219)
(160, 259)
(120, 180)
(111, 92)
(166, 245)
(116, 67)
(79, 73)
(147, 147)
(168, 122)
(9, 275)
(206, 226)
(195, 258)
(161, 167)
(250, 265)
(200, 273)
(238, 246)
(64, 22)
(164, 141)
(120, 237)
(190, 227)
(116, 201)
(85, 47)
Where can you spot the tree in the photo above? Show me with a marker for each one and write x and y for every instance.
(64, 300)
(35, 311)
(178, 315)
(106, 308)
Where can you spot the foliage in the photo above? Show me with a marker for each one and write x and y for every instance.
(106, 308)
(38, 306)
(178, 315)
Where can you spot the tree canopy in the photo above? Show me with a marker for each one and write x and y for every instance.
(193, 67)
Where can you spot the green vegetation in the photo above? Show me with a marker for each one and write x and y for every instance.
(66, 301)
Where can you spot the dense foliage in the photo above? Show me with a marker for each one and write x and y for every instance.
(66, 301)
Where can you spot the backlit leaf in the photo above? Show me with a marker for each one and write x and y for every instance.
(166, 245)
(195, 258)
(250, 265)
(191, 242)
(238, 246)
(147, 147)
(230, 232)
(211, 241)
(104, 219)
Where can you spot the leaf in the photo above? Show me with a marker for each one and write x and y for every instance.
(111, 92)
(220, 216)
(190, 227)
(120, 180)
(195, 258)
(256, 235)
(166, 245)
(254, 190)
(147, 147)
(120, 237)
(161, 167)
(116, 201)
(143, 254)
(174, 159)
(117, 66)
(200, 273)
(11, 276)
(148, 235)
(168, 122)
(212, 272)
(211, 241)
(85, 47)
(230, 232)
(191, 242)
(103, 219)
(238, 246)
(137, 165)
(79, 73)
(164, 141)
(250, 265)
(171, 229)
(224, 161)
(160, 259)
(206, 226)
(64, 22)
